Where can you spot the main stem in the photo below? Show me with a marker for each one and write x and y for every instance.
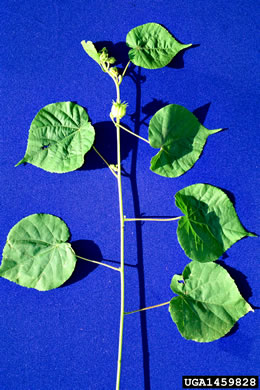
(122, 275)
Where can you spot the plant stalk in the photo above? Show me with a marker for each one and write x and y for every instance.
(122, 227)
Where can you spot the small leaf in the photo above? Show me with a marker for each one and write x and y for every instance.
(210, 225)
(59, 137)
(90, 49)
(152, 46)
(209, 303)
(180, 137)
(36, 253)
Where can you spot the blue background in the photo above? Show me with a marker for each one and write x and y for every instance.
(66, 339)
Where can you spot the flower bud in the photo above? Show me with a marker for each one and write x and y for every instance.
(111, 60)
(114, 71)
(118, 110)
(103, 55)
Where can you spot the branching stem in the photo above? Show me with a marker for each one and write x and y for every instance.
(148, 308)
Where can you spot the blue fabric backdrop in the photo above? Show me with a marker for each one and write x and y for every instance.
(66, 339)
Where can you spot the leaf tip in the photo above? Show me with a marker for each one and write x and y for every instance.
(217, 130)
(249, 234)
(23, 161)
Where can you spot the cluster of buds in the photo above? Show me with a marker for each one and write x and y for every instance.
(106, 62)
(118, 110)
(104, 57)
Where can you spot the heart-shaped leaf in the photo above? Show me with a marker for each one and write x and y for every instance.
(209, 303)
(36, 253)
(179, 136)
(90, 49)
(210, 225)
(59, 137)
(152, 46)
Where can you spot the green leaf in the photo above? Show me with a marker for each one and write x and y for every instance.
(209, 303)
(152, 46)
(90, 49)
(36, 253)
(59, 137)
(210, 225)
(179, 136)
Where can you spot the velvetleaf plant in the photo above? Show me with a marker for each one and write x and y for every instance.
(37, 253)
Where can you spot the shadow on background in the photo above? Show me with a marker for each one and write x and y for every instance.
(178, 61)
(89, 250)
(119, 51)
(105, 143)
(202, 112)
(149, 109)
(136, 119)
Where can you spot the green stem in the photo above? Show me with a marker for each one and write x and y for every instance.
(99, 263)
(105, 161)
(131, 132)
(122, 309)
(122, 227)
(148, 308)
(124, 72)
(152, 219)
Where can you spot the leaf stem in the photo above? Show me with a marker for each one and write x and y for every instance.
(124, 72)
(152, 219)
(148, 308)
(105, 161)
(99, 263)
(129, 131)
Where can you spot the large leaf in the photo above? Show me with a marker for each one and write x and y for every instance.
(179, 136)
(90, 49)
(36, 253)
(209, 303)
(152, 46)
(59, 137)
(210, 225)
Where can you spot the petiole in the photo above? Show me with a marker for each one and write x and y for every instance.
(129, 131)
(99, 263)
(110, 166)
(152, 219)
(148, 308)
